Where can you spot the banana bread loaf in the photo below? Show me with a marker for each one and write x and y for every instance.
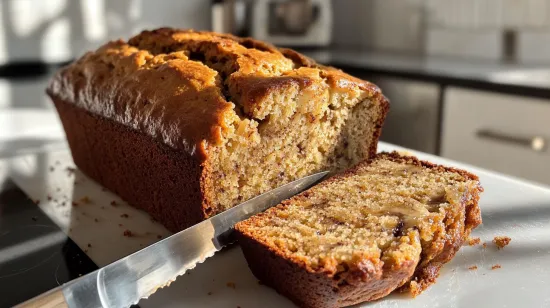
(388, 223)
(185, 124)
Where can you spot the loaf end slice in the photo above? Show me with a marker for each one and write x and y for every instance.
(388, 223)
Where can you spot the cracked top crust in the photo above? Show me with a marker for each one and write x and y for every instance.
(187, 87)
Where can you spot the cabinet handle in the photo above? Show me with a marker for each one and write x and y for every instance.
(536, 143)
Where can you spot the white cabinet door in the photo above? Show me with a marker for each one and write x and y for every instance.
(505, 133)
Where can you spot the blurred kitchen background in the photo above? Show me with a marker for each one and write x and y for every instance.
(468, 79)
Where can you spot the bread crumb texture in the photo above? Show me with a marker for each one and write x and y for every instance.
(374, 220)
(502, 241)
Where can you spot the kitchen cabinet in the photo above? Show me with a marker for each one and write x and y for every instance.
(412, 121)
(501, 132)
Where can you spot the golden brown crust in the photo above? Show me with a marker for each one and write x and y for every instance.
(205, 79)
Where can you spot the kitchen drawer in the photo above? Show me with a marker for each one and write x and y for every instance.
(505, 133)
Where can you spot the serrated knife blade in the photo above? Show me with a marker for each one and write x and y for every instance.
(126, 281)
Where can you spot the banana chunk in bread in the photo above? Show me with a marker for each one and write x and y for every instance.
(387, 223)
(186, 124)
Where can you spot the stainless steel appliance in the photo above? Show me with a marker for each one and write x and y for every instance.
(295, 23)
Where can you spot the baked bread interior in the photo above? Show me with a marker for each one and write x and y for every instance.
(389, 222)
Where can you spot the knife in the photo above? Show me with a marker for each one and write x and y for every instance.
(126, 281)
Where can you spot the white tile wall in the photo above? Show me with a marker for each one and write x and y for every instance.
(536, 15)
(444, 27)
(533, 46)
(58, 30)
(474, 14)
(398, 24)
(489, 13)
(463, 43)
(379, 24)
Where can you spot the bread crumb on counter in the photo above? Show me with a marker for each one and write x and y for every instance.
(209, 293)
(89, 245)
(114, 203)
(85, 200)
(496, 266)
(128, 233)
(472, 241)
(124, 215)
(231, 285)
(74, 203)
(473, 267)
(501, 241)
(414, 289)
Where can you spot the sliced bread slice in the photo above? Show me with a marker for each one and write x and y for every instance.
(387, 223)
